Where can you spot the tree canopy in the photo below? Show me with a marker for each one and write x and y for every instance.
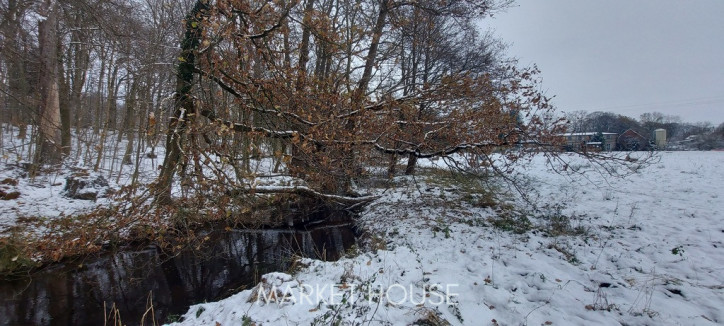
(340, 84)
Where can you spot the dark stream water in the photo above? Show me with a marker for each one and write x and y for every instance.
(66, 294)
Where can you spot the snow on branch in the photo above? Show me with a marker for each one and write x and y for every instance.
(443, 152)
(308, 192)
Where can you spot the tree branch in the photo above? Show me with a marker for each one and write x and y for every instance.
(239, 127)
(307, 192)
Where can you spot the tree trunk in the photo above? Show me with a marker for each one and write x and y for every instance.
(78, 72)
(99, 106)
(392, 166)
(183, 106)
(411, 163)
(112, 116)
(48, 150)
(129, 123)
(17, 57)
(65, 138)
(348, 162)
(304, 46)
(298, 163)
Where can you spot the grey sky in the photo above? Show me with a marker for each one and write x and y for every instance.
(623, 56)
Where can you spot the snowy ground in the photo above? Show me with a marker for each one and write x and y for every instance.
(41, 198)
(644, 250)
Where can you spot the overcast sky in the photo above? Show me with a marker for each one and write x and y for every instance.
(623, 56)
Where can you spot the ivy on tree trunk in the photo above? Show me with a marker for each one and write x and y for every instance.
(183, 105)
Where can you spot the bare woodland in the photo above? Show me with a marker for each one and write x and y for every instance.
(324, 88)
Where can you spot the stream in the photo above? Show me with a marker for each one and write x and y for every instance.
(84, 293)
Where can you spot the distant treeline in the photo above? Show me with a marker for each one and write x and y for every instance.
(679, 134)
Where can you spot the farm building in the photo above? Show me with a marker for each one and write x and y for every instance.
(590, 141)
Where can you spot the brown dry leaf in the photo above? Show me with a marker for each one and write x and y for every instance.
(56, 255)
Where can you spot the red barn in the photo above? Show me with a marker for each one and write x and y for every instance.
(631, 140)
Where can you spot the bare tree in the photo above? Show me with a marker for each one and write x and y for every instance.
(17, 56)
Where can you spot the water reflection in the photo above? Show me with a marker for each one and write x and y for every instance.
(82, 293)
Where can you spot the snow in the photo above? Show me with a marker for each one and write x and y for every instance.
(645, 249)
(42, 199)
(650, 254)
(568, 134)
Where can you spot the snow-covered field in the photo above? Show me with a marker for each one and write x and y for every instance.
(647, 249)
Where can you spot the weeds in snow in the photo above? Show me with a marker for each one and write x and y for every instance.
(556, 223)
(643, 301)
(600, 301)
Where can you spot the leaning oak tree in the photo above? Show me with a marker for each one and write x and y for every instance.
(342, 85)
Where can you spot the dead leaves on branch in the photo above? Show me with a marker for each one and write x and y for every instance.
(330, 126)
